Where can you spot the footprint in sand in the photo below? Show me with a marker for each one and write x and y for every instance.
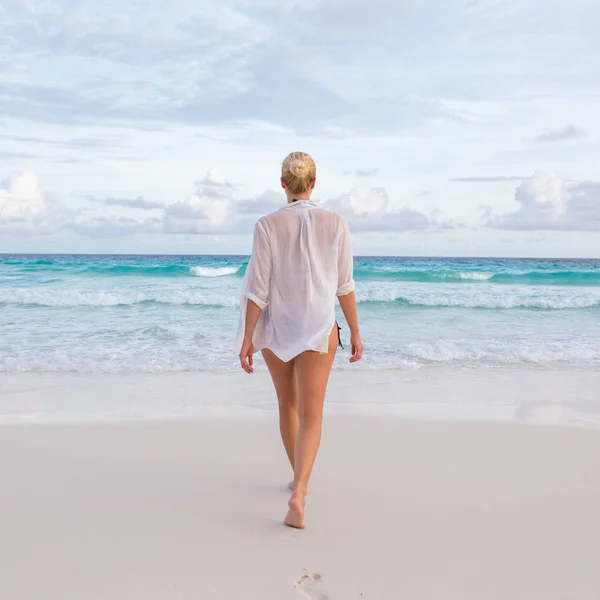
(312, 586)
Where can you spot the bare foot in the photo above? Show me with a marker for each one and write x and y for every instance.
(295, 516)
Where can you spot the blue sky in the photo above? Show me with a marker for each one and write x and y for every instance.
(439, 128)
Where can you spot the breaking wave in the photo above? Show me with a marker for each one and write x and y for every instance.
(228, 297)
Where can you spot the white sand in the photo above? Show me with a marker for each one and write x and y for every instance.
(399, 510)
(567, 396)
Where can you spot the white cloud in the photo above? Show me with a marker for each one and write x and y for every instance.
(22, 199)
(264, 204)
(26, 208)
(209, 210)
(546, 202)
(570, 132)
(362, 201)
(363, 172)
(368, 209)
(23, 204)
(213, 209)
(139, 202)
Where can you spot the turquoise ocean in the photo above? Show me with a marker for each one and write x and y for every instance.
(135, 314)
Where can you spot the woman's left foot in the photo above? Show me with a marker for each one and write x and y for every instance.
(295, 516)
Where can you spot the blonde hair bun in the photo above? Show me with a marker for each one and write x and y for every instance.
(299, 168)
(298, 172)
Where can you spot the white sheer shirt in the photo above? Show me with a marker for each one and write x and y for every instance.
(301, 260)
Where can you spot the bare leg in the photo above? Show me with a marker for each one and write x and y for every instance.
(284, 379)
(312, 372)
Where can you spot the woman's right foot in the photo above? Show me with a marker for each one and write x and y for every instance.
(295, 516)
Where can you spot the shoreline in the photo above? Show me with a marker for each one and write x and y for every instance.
(564, 397)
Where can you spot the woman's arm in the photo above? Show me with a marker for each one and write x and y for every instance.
(252, 315)
(348, 304)
(257, 291)
(346, 294)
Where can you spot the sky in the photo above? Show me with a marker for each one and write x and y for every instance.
(439, 128)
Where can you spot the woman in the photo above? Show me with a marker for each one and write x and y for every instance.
(301, 260)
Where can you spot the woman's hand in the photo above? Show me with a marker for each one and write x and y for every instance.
(357, 347)
(246, 356)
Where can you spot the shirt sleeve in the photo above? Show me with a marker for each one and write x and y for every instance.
(259, 268)
(345, 264)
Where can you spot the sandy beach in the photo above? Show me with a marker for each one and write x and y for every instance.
(399, 509)
(567, 396)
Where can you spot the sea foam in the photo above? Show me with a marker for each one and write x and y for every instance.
(213, 271)
(172, 352)
(115, 297)
(476, 276)
(227, 295)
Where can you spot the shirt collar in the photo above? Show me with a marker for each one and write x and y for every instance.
(300, 203)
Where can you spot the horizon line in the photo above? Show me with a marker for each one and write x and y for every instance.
(356, 256)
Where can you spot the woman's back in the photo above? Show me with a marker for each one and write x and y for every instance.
(301, 259)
